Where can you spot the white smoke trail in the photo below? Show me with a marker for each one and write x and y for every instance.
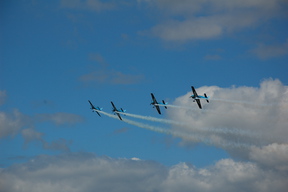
(162, 130)
(189, 108)
(191, 137)
(152, 128)
(176, 106)
(108, 114)
(240, 102)
(149, 118)
(221, 100)
(214, 130)
(187, 136)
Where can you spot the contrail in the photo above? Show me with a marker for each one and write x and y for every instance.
(188, 136)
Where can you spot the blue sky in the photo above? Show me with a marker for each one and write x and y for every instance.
(56, 55)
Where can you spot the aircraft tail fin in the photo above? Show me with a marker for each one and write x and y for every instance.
(164, 104)
(206, 97)
(123, 110)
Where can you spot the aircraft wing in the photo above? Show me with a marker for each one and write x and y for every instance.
(199, 103)
(114, 108)
(155, 103)
(94, 109)
(92, 106)
(119, 116)
(158, 109)
(194, 91)
(98, 113)
(154, 99)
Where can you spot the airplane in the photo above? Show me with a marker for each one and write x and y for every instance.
(117, 111)
(95, 109)
(156, 104)
(197, 97)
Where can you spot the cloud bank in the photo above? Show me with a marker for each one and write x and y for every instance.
(15, 122)
(110, 77)
(89, 5)
(2, 97)
(252, 116)
(264, 51)
(255, 120)
(12, 123)
(187, 20)
(87, 172)
(105, 75)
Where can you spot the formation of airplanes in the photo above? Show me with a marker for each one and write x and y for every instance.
(154, 102)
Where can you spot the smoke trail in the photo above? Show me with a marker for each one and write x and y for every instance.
(176, 106)
(217, 99)
(189, 108)
(190, 137)
(149, 118)
(215, 130)
(240, 102)
(108, 114)
(162, 130)
(187, 136)
(146, 126)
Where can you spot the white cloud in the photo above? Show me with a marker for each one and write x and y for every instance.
(12, 123)
(198, 28)
(189, 7)
(110, 77)
(30, 135)
(135, 159)
(236, 117)
(212, 57)
(121, 78)
(225, 175)
(268, 51)
(98, 58)
(57, 145)
(60, 118)
(105, 75)
(87, 172)
(254, 116)
(16, 122)
(91, 5)
(273, 155)
(187, 20)
(2, 97)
